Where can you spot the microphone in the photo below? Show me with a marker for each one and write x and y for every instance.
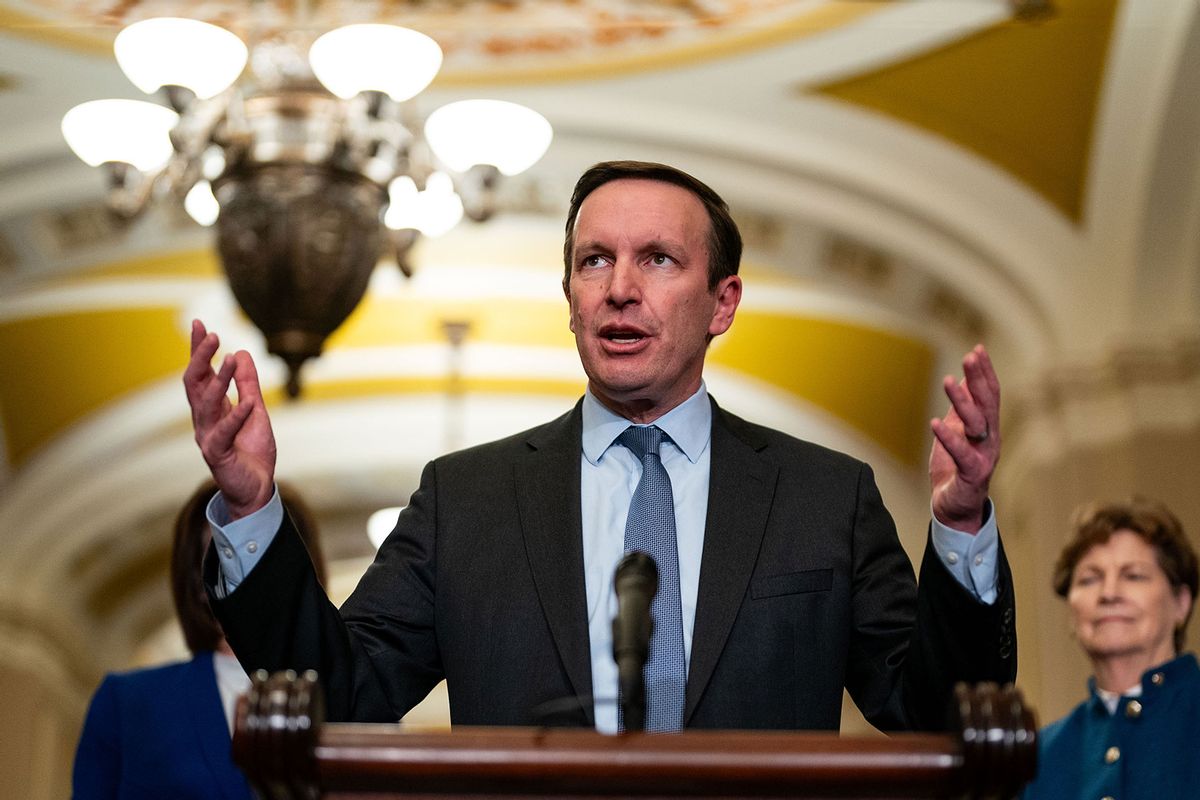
(636, 583)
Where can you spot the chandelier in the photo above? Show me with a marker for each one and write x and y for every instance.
(310, 168)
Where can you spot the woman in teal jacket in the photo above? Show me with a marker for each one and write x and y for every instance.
(1129, 576)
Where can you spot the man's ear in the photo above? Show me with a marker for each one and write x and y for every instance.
(566, 284)
(727, 294)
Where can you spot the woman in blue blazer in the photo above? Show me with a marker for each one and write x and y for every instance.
(165, 732)
(1130, 577)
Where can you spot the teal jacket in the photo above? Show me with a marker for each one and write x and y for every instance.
(1148, 750)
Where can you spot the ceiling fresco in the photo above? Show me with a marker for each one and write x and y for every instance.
(483, 39)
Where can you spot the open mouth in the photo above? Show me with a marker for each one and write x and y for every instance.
(619, 336)
(623, 337)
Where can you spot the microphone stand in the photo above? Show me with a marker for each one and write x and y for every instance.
(636, 583)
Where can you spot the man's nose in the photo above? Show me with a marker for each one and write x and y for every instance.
(624, 284)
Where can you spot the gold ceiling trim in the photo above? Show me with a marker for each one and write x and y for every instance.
(200, 263)
(1022, 95)
(61, 368)
(76, 38)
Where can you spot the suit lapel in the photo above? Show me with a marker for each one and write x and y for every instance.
(207, 716)
(549, 503)
(732, 535)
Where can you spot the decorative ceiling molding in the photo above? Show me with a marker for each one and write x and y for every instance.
(1041, 81)
(1135, 389)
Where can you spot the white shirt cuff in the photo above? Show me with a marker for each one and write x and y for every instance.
(241, 543)
(971, 558)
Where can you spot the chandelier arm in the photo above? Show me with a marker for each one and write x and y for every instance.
(311, 186)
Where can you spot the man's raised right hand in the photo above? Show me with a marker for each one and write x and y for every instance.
(236, 440)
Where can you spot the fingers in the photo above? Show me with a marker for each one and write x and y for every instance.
(961, 451)
(973, 422)
(199, 332)
(982, 383)
(245, 375)
(208, 391)
(218, 420)
(199, 368)
(976, 399)
(218, 445)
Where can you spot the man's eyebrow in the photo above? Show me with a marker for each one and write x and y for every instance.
(670, 245)
(587, 244)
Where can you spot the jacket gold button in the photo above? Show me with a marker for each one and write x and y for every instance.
(1133, 710)
(1111, 755)
(1158, 678)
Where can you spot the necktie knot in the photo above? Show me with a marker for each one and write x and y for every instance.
(642, 440)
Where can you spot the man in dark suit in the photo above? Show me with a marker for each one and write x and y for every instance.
(790, 578)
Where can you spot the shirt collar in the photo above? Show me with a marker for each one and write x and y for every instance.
(689, 425)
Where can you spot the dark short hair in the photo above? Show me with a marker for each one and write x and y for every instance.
(1094, 524)
(201, 630)
(724, 240)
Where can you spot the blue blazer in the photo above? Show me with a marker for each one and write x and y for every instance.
(1148, 750)
(157, 733)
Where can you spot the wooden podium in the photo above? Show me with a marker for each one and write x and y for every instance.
(281, 744)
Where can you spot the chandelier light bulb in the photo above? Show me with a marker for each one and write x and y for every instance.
(201, 204)
(432, 212)
(441, 207)
(381, 523)
(401, 212)
(124, 131)
(505, 135)
(171, 51)
(368, 57)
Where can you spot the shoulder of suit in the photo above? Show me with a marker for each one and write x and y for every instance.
(144, 677)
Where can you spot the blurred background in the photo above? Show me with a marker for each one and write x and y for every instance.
(911, 177)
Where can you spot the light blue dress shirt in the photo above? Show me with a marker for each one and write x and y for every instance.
(609, 475)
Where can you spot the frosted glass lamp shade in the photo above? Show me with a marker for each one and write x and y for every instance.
(170, 51)
(128, 131)
(384, 58)
(505, 135)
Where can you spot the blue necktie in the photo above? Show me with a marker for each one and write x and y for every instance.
(651, 529)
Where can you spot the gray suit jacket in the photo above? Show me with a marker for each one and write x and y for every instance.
(804, 589)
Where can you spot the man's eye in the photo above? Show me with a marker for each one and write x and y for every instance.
(592, 261)
(660, 259)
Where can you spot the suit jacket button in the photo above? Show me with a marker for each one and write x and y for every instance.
(1133, 710)
(1112, 755)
